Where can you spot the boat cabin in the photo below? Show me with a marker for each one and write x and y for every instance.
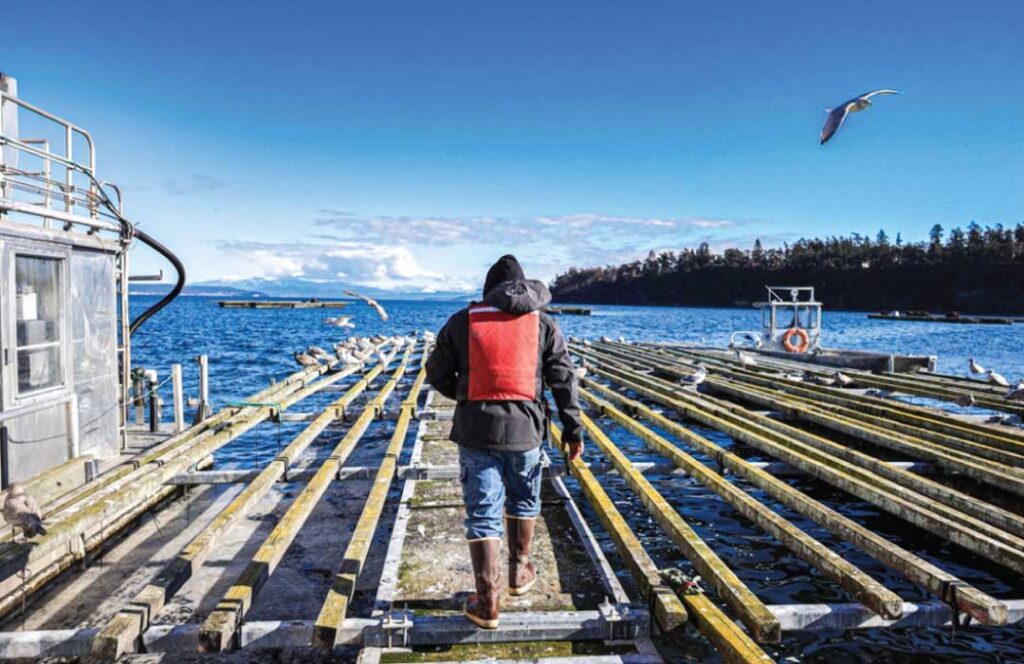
(790, 321)
(62, 298)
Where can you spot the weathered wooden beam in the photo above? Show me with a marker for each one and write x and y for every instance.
(833, 472)
(733, 643)
(88, 519)
(975, 465)
(860, 585)
(949, 588)
(335, 605)
(968, 511)
(713, 570)
(121, 634)
(220, 626)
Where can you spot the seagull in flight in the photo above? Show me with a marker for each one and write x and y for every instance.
(837, 115)
(374, 304)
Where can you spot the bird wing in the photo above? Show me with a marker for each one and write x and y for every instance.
(834, 121)
(884, 91)
(31, 506)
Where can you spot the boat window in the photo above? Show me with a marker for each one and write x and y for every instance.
(38, 315)
(812, 318)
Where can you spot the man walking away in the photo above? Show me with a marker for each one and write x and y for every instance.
(493, 358)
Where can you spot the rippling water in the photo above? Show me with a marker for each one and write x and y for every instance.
(249, 348)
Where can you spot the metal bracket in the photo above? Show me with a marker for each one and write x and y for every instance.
(619, 620)
(392, 632)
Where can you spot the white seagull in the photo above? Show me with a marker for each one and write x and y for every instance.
(697, 377)
(837, 115)
(745, 360)
(997, 379)
(340, 321)
(974, 367)
(842, 379)
(374, 304)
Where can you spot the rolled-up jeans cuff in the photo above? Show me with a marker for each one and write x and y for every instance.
(485, 530)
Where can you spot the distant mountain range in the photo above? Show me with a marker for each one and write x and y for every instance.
(294, 287)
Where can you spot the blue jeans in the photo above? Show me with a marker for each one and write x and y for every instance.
(496, 482)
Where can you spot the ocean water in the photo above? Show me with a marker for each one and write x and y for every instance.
(249, 348)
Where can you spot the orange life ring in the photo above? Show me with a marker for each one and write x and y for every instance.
(801, 346)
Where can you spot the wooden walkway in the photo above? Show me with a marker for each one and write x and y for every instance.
(350, 538)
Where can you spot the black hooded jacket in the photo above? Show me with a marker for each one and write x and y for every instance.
(512, 426)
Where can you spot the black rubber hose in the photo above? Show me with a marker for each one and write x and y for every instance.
(166, 299)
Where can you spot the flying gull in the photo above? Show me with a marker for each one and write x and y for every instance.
(372, 302)
(837, 115)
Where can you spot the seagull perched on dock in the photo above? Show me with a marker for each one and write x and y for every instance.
(837, 115)
(306, 360)
(340, 321)
(975, 368)
(965, 400)
(317, 352)
(374, 304)
(745, 360)
(697, 377)
(1016, 393)
(997, 379)
(21, 511)
(842, 379)
(606, 340)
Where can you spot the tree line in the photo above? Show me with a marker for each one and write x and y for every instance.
(972, 269)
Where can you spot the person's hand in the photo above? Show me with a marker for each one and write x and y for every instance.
(573, 449)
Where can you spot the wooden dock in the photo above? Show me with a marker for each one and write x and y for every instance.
(568, 311)
(283, 304)
(349, 537)
(922, 317)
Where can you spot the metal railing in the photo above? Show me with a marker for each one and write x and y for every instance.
(51, 192)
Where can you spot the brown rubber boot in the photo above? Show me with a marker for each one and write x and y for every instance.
(482, 606)
(521, 574)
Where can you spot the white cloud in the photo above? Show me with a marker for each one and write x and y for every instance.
(376, 265)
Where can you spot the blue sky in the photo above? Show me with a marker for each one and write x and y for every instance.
(407, 144)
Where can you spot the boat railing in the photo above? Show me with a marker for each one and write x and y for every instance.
(60, 185)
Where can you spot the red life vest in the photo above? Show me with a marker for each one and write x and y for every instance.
(503, 354)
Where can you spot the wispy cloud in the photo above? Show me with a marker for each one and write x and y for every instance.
(445, 231)
(192, 184)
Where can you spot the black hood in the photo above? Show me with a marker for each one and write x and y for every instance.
(506, 268)
(519, 297)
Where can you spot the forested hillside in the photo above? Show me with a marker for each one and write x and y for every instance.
(977, 269)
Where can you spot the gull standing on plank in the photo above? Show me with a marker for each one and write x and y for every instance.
(697, 377)
(965, 401)
(21, 511)
(1016, 392)
(974, 367)
(306, 360)
(317, 352)
(837, 115)
(997, 379)
(843, 380)
(745, 360)
(370, 301)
